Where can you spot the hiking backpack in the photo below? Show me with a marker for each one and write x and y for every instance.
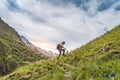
(58, 46)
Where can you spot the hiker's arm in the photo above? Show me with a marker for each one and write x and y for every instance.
(63, 47)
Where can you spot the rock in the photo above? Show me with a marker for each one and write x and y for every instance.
(26, 77)
(2, 49)
(106, 48)
(3, 69)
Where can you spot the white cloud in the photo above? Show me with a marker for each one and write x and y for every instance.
(45, 24)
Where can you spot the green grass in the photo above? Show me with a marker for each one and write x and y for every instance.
(97, 60)
(13, 52)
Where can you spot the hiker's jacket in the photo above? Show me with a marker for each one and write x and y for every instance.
(61, 46)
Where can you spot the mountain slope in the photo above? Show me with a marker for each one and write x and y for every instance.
(13, 52)
(37, 49)
(97, 60)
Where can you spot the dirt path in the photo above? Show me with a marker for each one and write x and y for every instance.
(67, 75)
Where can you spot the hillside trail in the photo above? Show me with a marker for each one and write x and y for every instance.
(67, 75)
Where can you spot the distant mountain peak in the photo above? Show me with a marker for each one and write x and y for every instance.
(48, 54)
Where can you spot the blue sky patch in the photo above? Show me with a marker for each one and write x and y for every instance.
(12, 5)
(117, 8)
(106, 4)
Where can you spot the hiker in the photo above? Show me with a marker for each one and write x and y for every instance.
(61, 49)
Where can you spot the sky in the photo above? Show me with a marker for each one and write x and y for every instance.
(46, 23)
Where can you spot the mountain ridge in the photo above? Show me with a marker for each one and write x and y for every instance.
(37, 49)
(97, 60)
(13, 52)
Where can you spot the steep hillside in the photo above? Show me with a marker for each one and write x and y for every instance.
(97, 60)
(47, 54)
(13, 52)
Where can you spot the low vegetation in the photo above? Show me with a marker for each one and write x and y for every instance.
(97, 60)
(13, 52)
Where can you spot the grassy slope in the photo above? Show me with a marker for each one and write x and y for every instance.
(97, 60)
(13, 52)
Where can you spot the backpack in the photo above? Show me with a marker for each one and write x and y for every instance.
(58, 46)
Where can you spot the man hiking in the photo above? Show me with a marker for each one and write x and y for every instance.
(61, 49)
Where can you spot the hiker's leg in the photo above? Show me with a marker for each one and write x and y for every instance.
(59, 54)
(63, 51)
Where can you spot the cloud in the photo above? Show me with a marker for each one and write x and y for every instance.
(46, 23)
